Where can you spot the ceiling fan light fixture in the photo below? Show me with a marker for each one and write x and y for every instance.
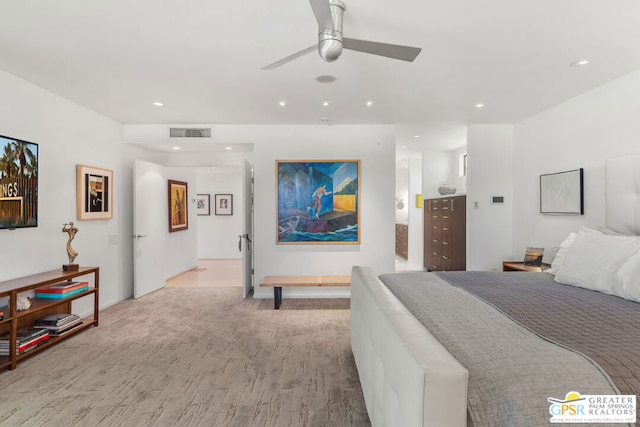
(329, 16)
(329, 48)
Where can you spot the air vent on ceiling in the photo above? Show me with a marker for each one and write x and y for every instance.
(190, 132)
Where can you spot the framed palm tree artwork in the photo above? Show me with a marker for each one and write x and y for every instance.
(18, 183)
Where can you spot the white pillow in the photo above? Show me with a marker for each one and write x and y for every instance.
(562, 251)
(593, 261)
(629, 277)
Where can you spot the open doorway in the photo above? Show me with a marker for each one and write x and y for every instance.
(409, 212)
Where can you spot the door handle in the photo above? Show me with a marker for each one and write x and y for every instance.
(243, 236)
(138, 236)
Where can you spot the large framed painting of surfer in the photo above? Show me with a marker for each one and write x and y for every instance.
(318, 202)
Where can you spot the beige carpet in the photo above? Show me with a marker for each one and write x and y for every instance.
(195, 357)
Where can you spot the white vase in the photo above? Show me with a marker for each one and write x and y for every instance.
(446, 189)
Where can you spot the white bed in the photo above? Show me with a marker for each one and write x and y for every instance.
(408, 378)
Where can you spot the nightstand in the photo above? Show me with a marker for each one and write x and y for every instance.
(519, 266)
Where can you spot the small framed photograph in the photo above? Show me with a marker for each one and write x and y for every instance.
(224, 204)
(203, 206)
(533, 257)
(178, 214)
(94, 193)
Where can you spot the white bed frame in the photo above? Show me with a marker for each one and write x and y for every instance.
(408, 378)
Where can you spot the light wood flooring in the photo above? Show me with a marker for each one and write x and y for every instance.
(210, 273)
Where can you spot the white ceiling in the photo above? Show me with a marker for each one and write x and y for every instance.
(203, 59)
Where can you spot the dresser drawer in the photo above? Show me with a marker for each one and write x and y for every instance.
(445, 263)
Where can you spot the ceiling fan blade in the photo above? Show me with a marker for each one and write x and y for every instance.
(322, 12)
(403, 53)
(290, 58)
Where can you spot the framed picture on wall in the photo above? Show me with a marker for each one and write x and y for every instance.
(203, 206)
(94, 193)
(562, 193)
(224, 204)
(318, 202)
(178, 207)
(18, 183)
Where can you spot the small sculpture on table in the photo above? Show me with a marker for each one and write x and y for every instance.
(71, 230)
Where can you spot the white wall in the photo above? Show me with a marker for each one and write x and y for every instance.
(416, 215)
(436, 170)
(581, 132)
(460, 182)
(402, 191)
(68, 134)
(218, 234)
(490, 172)
(374, 146)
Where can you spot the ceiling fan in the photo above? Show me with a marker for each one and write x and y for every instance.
(329, 14)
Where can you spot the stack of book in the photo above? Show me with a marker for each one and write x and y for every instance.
(27, 339)
(62, 290)
(59, 324)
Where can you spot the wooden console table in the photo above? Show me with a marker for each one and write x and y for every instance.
(278, 282)
(40, 307)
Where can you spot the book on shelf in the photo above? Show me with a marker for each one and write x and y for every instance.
(61, 295)
(26, 339)
(59, 328)
(64, 331)
(56, 319)
(62, 288)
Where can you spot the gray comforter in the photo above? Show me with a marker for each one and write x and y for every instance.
(512, 370)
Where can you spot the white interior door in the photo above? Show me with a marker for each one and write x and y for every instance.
(246, 242)
(150, 220)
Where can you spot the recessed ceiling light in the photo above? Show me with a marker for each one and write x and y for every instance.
(325, 103)
(326, 79)
(158, 104)
(417, 136)
(176, 148)
(479, 105)
(282, 103)
(579, 62)
(228, 148)
(369, 103)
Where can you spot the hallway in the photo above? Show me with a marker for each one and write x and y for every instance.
(210, 273)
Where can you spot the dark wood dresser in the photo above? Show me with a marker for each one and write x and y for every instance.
(445, 235)
(402, 240)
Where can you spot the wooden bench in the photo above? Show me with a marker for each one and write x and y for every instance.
(278, 282)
